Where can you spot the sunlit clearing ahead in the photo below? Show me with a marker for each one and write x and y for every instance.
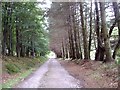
(51, 55)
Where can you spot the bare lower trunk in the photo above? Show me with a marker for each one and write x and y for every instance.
(17, 39)
(105, 33)
(90, 40)
(116, 49)
(116, 12)
(85, 44)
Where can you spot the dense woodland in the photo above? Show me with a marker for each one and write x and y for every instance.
(79, 28)
(86, 33)
(23, 29)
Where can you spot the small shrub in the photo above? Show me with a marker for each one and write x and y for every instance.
(12, 68)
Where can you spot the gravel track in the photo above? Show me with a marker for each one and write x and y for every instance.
(50, 75)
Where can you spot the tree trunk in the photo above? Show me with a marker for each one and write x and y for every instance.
(63, 53)
(4, 40)
(75, 37)
(71, 34)
(116, 49)
(17, 38)
(99, 55)
(10, 52)
(32, 49)
(116, 13)
(85, 44)
(90, 39)
(105, 33)
(79, 44)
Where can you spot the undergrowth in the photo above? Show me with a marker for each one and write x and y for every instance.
(13, 65)
(21, 67)
(11, 82)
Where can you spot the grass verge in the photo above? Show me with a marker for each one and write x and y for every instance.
(11, 82)
(16, 69)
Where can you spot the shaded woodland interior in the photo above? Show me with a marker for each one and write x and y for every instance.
(86, 33)
(81, 30)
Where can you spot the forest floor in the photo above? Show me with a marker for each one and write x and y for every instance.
(93, 74)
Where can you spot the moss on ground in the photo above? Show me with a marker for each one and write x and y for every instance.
(13, 65)
(11, 82)
(21, 67)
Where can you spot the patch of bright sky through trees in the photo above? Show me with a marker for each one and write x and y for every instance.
(46, 5)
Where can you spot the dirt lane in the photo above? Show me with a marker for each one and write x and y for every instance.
(50, 75)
